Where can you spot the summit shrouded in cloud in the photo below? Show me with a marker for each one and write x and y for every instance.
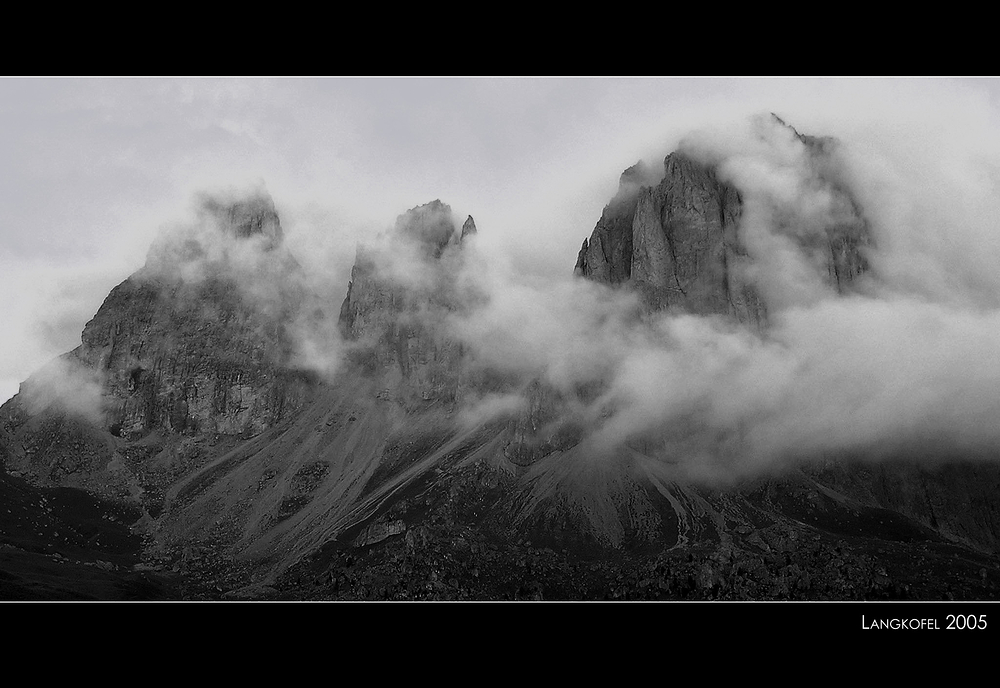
(753, 314)
(680, 311)
(841, 248)
(95, 166)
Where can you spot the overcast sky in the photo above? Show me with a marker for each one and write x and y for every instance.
(92, 168)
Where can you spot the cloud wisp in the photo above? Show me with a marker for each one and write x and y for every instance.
(902, 366)
(903, 361)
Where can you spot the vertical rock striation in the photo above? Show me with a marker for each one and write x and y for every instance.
(400, 289)
(194, 343)
(681, 245)
(677, 241)
(468, 228)
(200, 344)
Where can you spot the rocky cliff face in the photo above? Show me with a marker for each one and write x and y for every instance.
(195, 412)
(680, 243)
(200, 344)
(400, 289)
(194, 343)
(677, 241)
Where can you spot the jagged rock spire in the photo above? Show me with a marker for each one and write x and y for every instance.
(222, 222)
(676, 241)
(247, 217)
(468, 228)
(431, 225)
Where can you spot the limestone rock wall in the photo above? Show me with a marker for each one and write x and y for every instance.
(398, 292)
(190, 343)
(678, 241)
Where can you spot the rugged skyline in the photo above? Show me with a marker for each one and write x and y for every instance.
(765, 334)
(95, 167)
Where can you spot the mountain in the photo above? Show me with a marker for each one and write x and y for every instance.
(674, 237)
(420, 468)
(183, 348)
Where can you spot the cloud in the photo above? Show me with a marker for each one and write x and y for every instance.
(901, 363)
(904, 366)
(45, 310)
(65, 385)
(236, 235)
(907, 355)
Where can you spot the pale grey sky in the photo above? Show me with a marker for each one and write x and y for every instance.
(91, 168)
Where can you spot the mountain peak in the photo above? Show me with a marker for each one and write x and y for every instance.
(677, 240)
(468, 228)
(245, 224)
(431, 225)
(816, 144)
(246, 217)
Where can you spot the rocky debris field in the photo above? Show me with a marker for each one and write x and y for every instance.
(452, 542)
(63, 544)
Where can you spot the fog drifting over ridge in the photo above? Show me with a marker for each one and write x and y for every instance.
(910, 358)
(905, 368)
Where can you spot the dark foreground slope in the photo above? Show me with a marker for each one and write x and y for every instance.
(67, 544)
(220, 468)
(454, 540)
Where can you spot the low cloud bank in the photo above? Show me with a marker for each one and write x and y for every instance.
(67, 386)
(903, 366)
